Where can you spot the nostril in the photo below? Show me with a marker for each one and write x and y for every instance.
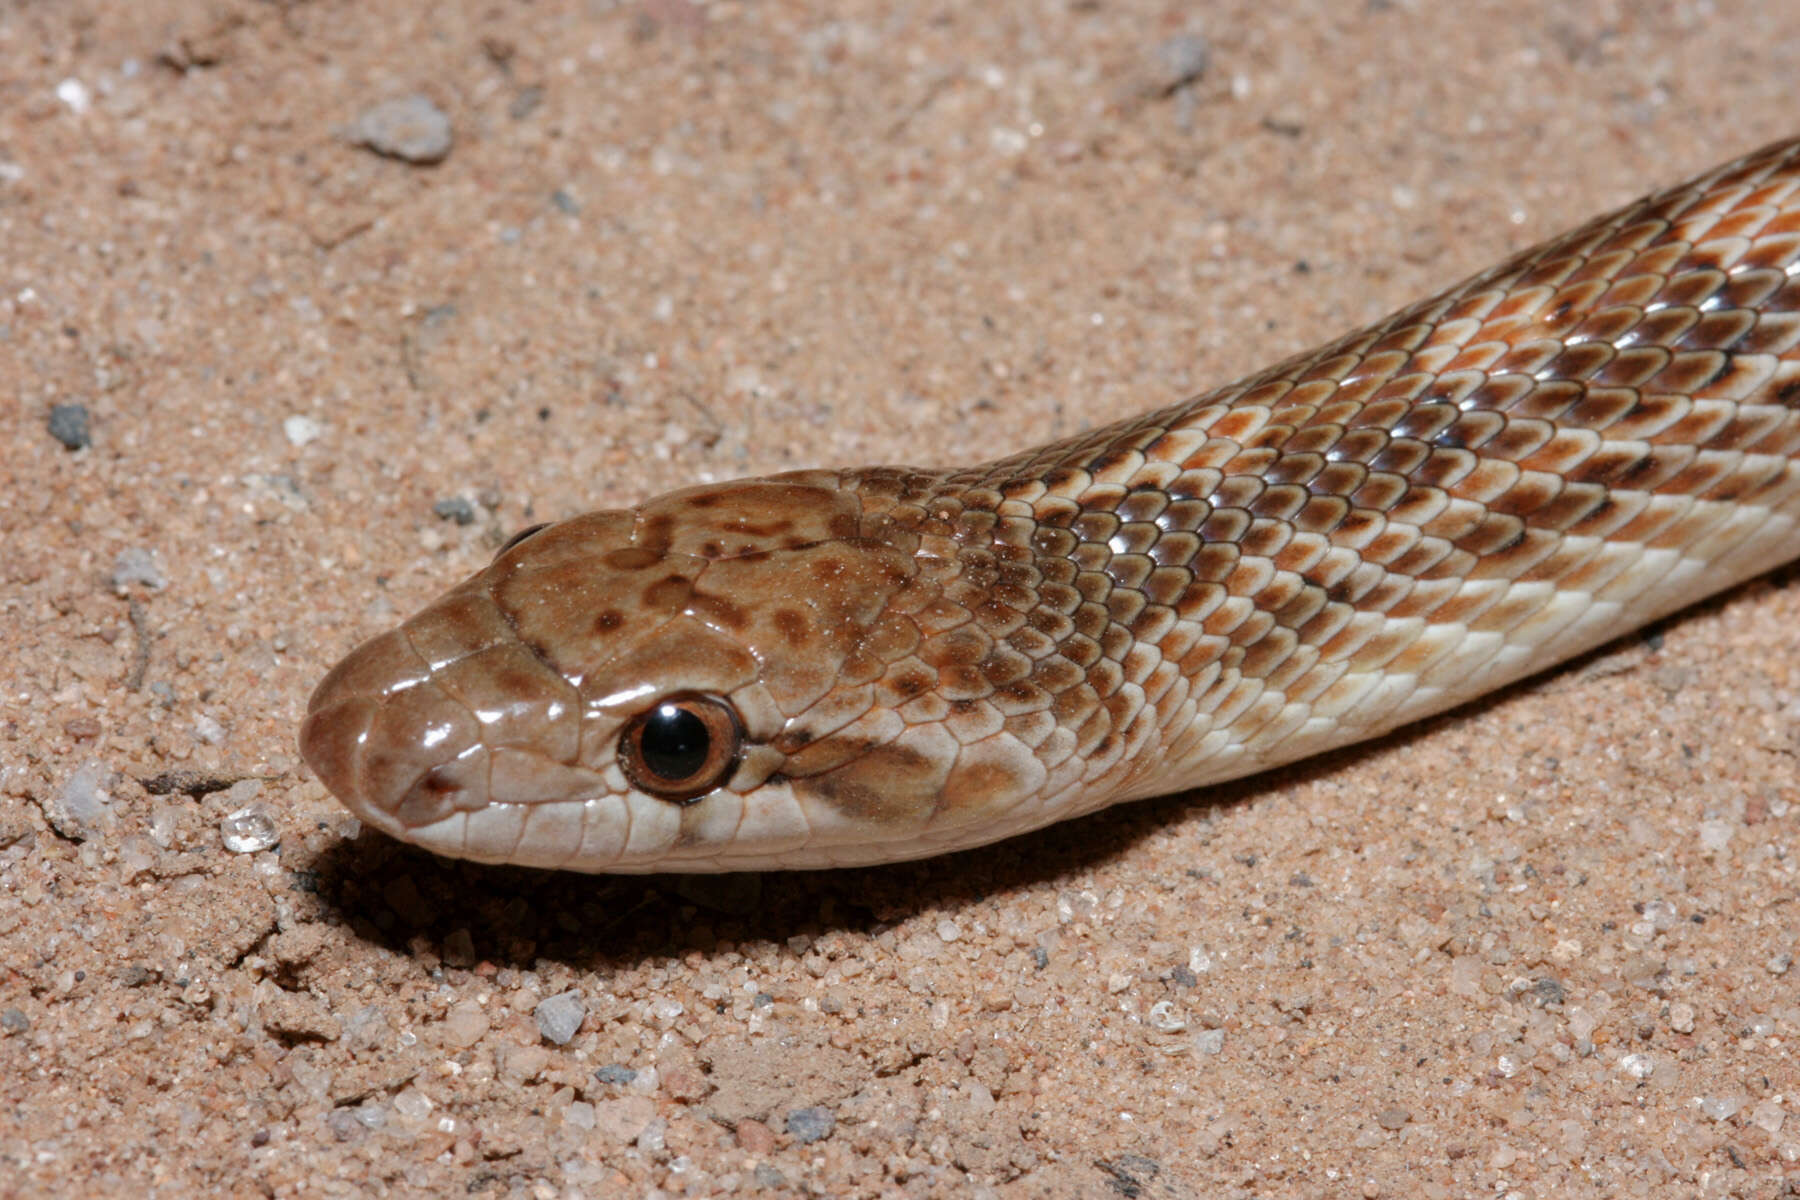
(459, 785)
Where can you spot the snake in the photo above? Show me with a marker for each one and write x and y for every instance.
(844, 667)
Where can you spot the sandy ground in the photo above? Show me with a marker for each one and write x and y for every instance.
(1543, 947)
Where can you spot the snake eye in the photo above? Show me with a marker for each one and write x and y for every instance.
(683, 747)
(520, 536)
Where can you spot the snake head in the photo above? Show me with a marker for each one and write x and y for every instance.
(711, 681)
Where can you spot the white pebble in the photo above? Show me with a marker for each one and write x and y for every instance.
(1166, 1017)
(301, 430)
(75, 94)
(249, 830)
(1721, 1108)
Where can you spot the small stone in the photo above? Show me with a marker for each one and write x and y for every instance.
(344, 1126)
(413, 1107)
(411, 129)
(78, 809)
(367, 1028)
(768, 1175)
(685, 1085)
(525, 103)
(754, 1137)
(69, 425)
(1681, 1018)
(83, 728)
(1391, 1119)
(809, 1125)
(1766, 1116)
(298, 1016)
(522, 1064)
(465, 1025)
(1722, 1108)
(13, 1021)
(948, 931)
(301, 430)
(1715, 836)
(1180, 61)
(1210, 1041)
(622, 1120)
(455, 508)
(1638, 1066)
(559, 1018)
(249, 830)
(75, 94)
(137, 565)
(615, 1074)
(1164, 1016)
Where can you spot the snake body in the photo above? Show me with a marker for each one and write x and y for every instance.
(836, 667)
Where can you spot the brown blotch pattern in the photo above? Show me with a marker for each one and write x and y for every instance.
(1204, 574)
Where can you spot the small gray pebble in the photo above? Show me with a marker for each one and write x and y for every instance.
(365, 1027)
(565, 203)
(455, 508)
(135, 564)
(615, 1074)
(14, 1021)
(69, 425)
(559, 1017)
(809, 1125)
(525, 103)
(79, 806)
(411, 129)
(768, 1175)
(344, 1125)
(1182, 59)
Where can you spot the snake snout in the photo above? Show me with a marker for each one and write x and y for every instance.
(448, 719)
(388, 740)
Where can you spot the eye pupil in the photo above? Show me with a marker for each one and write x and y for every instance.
(675, 742)
(683, 747)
